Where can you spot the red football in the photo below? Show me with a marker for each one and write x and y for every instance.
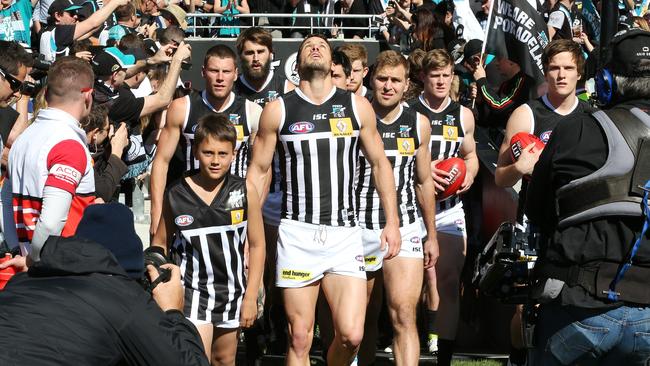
(456, 169)
(522, 139)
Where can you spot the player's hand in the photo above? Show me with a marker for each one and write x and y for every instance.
(19, 263)
(439, 176)
(392, 238)
(168, 295)
(84, 55)
(248, 312)
(479, 72)
(119, 139)
(528, 159)
(467, 184)
(431, 251)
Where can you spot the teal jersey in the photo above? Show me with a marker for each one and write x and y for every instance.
(15, 22)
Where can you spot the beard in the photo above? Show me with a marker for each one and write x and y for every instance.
(251, 74)
(310, 68)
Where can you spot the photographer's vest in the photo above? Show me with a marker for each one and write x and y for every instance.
(616, 189)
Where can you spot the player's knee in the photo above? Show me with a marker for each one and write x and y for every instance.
(403, 316)
(300, 338)
(351, 337)
(223, 358)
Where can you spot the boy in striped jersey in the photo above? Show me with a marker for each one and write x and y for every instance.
(318, 130)
(212, 213)
(405, 134)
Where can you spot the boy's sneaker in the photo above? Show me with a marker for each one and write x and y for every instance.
(432, 343)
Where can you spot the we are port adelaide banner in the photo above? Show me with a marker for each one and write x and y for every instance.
(517, 31)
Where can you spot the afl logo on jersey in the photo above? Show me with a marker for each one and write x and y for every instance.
(184, 220)
(301, 127)
(545, 136)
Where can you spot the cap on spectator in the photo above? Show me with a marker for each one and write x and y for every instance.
(137, 53)
(151, 45)
(629, 50)
(455, 49)
(111, 225)
(177, 13)
(110, 60)
(59, 6)
(472, 47)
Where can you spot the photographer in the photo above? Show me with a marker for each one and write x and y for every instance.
(585, 198)
(81, 304)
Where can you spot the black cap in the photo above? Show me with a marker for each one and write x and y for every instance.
(110, 60)
(628, 50)
(138, 53)
(472, 47)
(59, 6)
(111, 225)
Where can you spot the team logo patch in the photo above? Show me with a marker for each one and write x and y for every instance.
(450, 133)
(183, 220)
(234, 119)
(338, 111)
(236, 217)
(359, 258)
(406, 146)
(66, 173)
(370, 260)
(341, 127)
(296, 275)
(235, 199)
(240, 132)
(450, 119)
(301, 127)
(272, 95)
(545, 136)
(415, 240)
(291, 69)
(404, 131)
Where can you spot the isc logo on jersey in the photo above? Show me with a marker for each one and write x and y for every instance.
(66, 173)
(301, 127)
(183, 220)
(405, 146)
(341, 127)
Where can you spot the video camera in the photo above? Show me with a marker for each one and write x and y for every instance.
(155, 256)
(504, 268)
(39, 74)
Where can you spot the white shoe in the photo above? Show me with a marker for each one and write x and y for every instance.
(432, 343)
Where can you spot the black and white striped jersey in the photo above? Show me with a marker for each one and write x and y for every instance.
(401, 140)
(447, 129)
(318, 147)
(236, 111)
(209, 248)
(273, 88)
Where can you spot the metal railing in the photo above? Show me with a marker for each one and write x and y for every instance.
(314, 22)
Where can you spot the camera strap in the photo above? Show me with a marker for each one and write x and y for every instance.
(164, 275)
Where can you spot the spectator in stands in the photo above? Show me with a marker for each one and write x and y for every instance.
(399, 24)
(12, 70)
(62, 28)
(81, 305)
(352, 7)
(126, 24)
(229, 22)
(50, 169)
(358, 57)
(151, 8)
(301, 27)
(560, 24)
(415, 68)
(426, 32)
(15, 21)
(174, 15)
(106, 145)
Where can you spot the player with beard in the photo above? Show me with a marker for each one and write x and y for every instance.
(318, 130)
(175, 148)
(257, 82)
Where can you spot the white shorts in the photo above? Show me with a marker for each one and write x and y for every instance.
(373, 256)
(452, 221)
(307, 251)
(272, 209)
(229, 324)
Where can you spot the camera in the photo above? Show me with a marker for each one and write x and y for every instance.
(505, 266)
(155, 256)
(39, 74)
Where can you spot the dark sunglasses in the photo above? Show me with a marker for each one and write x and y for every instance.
(14, 83)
